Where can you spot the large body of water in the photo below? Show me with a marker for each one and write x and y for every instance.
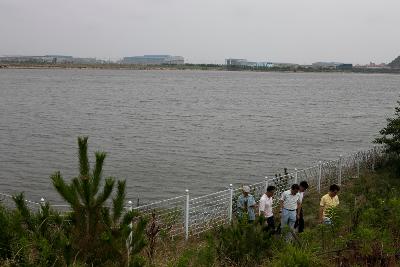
(166, 131)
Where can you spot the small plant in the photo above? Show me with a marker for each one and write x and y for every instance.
(98, 233)
(241, 244)
(36, 238)
(391, 133)
(152, 232)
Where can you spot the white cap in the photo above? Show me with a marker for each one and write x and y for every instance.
(246, 189)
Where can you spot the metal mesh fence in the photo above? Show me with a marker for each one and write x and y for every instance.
(329, 174)
(7, 201)
(209, 211)
(169, 214)
(281, 183)
(219, 208)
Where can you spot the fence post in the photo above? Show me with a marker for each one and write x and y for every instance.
(230, 211)
(129, 240)
(373, 158)
(42, 204)
(187, 215)
(266, 184)
(319, 176)
(295, 176)
(340, 170)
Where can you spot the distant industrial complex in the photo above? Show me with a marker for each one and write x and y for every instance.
(235, 62)
(230, 63)
(52, 59)
(61, 59)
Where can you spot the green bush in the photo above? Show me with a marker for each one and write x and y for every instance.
(6, 233)
(296, 257)
(98, 233)
(32, 239)
(242, 244)
(91, 234)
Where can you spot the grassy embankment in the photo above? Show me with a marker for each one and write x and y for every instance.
(366, 232)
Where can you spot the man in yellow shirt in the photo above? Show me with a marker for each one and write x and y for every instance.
(328, 201)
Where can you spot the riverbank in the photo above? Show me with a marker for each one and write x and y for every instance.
(211, 67)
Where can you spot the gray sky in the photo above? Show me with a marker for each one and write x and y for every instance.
(298, 31)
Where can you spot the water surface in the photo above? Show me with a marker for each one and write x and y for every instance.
(165, 131)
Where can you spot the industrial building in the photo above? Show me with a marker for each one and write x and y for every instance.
(153, 60)
(235, 62)
(49, 59)
(332, 65)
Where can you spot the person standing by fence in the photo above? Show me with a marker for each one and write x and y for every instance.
(246, 204)
(290, 208)
(328, 201)
(265, 208)
(300, 221)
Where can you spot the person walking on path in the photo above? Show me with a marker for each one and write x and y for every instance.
(265, 208)
(300, 221)
(328, 201)
(290, 208)
(246, 204)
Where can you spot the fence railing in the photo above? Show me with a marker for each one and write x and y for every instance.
(197, 215)
(185, 216)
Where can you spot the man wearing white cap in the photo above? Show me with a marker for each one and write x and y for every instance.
(246, 204)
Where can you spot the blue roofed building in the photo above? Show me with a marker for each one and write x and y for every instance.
(153, 60)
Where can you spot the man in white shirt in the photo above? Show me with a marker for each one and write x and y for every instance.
(265, 208)
(290, 208)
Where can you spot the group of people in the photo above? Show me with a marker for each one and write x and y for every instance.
(290, 206)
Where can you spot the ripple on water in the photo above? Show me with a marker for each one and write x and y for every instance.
(165, 131)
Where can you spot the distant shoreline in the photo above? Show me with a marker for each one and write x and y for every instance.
(212, 67)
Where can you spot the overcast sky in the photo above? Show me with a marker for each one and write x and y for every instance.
(298, 31)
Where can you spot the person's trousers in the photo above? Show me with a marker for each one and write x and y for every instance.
(288, 218)
(300, 222)
(270, 225)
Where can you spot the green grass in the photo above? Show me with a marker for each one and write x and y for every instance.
(366, 232)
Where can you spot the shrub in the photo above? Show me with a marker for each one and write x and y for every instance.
(98, 232)
(242, 244)
(390, 135)
(294, 256)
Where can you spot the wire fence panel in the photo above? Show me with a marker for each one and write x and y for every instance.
(8, 201)
(281, 184)
(61, 208)
(209, 211)
(169, 214)
(310, 175)
(258, 189)
(349, 166)
(366, 159)
(329, 174)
